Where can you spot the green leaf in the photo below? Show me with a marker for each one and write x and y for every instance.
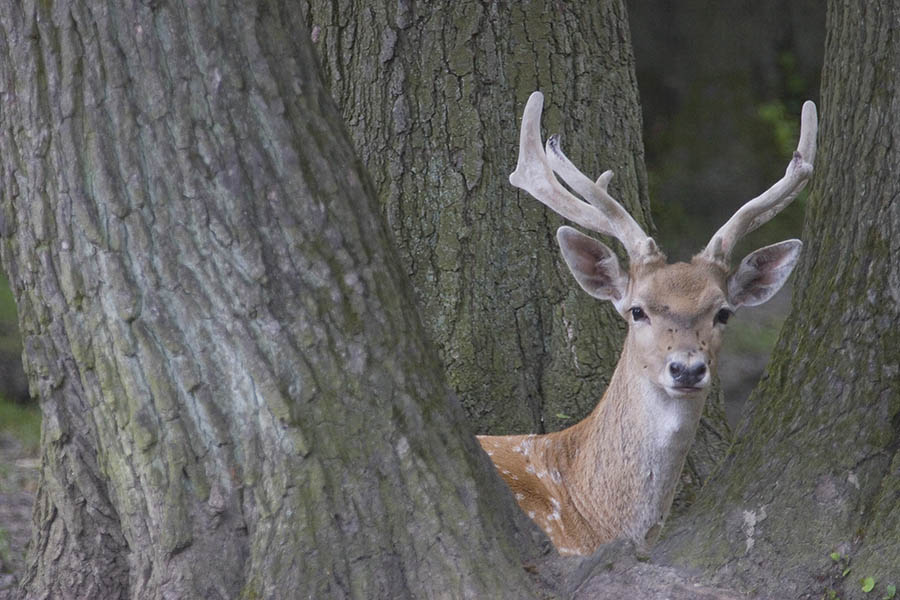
(867, 584)
(835, 556)
(563, 416)
(846, 572)
(891, 592)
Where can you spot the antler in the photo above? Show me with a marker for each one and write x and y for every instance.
(534, 174)
(771, 202)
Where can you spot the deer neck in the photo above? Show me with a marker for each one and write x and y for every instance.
(632, 448)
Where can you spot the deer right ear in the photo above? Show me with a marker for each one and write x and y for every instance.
(595, 267)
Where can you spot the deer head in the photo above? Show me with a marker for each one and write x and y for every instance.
(676, 312)
(614, 474)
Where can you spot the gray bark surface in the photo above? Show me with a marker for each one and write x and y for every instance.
(239, 398)
(816, 468)
(432, 93)
(615, 572)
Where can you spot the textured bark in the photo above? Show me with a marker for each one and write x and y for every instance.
(433, 94)
(816, 469)
(614, 572)
(238, 397)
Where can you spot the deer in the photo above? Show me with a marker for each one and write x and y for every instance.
(613, 475)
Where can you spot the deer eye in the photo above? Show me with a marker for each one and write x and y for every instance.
(638, 314)
(722, 316)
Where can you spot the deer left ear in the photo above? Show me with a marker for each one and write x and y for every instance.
(762, 273)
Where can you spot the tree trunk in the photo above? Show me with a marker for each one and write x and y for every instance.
(433, 94)
(816, 469)
(239, 400)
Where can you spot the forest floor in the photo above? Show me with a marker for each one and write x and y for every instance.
(18, 482)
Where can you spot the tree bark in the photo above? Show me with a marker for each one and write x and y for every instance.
(815, 469)
(433, 94)
(239, 399)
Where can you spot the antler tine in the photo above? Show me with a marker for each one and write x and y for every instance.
(771, 202)
(627, 230)
(534, 174)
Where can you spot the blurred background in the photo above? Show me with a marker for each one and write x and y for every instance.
(13, 386)
(721, 87)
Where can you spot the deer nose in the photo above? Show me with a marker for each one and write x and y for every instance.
(687, 376)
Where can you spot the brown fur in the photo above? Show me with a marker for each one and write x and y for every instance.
(605, 477)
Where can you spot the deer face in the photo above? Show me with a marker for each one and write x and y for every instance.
(676, 313)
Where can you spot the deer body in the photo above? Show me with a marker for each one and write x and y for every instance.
(600, 480)
(614, 474)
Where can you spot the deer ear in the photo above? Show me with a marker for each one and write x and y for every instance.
(595, 267)
(762, 273)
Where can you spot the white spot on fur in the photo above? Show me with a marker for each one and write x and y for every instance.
(555, 476)
(530, 469)
(520, 496)
(555, 515)
(531, 514)
(525, 446)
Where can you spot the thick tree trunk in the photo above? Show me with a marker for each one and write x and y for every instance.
(817, 466)
(433, 94)
(239, 399)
